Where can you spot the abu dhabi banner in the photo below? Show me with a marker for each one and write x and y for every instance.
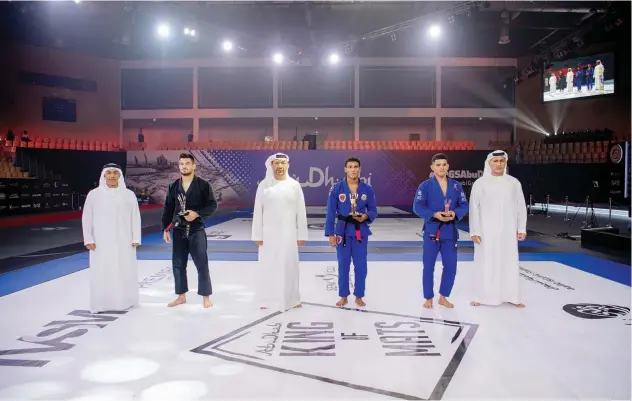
(235, 174)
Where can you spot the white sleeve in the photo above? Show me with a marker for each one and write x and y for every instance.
(136, 223)
(475, 211)
(521, 206)
(301, 215)
(87, 220)
(257, 216)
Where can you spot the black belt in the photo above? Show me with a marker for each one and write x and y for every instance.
(437, 235)
(356, 223)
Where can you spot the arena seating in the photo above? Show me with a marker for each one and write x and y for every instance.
(8, 170)
(573, 152)
(64, 143)
(304, 145)
(581, 147)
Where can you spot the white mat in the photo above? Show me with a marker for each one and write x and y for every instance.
(537, 352)
(393, 229)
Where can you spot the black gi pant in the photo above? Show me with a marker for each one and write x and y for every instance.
(195, 245)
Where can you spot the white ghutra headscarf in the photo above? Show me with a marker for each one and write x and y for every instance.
(121, 180)
(270, 170)
(497, 153)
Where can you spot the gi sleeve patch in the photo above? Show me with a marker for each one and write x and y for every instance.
(342, 197)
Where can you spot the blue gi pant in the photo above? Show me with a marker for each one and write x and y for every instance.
(448, 249)
(357, 252)
(195, 245)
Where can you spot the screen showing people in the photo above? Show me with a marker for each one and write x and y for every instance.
(579, 78)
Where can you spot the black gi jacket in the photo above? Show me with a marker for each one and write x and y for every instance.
(199, 198)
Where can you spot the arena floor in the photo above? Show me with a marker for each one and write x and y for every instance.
(571, 341)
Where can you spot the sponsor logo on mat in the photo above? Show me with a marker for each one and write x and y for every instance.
(321, 342)
(596, 311)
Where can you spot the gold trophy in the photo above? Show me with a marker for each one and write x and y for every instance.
(182, 214)
(446, 204)
(353, 198)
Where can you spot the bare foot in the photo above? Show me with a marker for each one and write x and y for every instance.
(359, 301)
(443, 301)
(428, 304)
(207, 302)
(518, 305)
(179, 301)
(299, 306)
(342, 302)
(475, 303)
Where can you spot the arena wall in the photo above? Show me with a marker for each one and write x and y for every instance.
(97, 108)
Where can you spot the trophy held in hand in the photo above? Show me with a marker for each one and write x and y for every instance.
(353, 199)
(180, 221)
(446, 212)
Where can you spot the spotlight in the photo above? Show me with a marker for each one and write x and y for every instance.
(227, 45)
(277, 58)
(189, 32)
(334, 58)
(77, 1)
(163, 31)
(434, 31)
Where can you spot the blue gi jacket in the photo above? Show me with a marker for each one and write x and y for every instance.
(338, 203)
(429, 200)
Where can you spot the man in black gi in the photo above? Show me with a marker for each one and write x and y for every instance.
(188, 203)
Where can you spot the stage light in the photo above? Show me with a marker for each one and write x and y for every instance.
(334, 58)
(277, 58)
(189, 32)
(163, 30)
(77, 1)
(227, 45)
(434, 31)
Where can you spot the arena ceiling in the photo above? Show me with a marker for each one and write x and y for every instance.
(127, 30)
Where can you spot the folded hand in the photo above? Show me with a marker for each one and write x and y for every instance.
(361, 217)
(191, 215)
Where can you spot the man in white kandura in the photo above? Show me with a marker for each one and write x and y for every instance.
(112, 231)
(279, 227)
(498, 220)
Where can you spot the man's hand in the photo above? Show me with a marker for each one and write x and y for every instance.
(135, 244)
(259, 243)
(332, 241)
(300, 242)
(522, 236)
(167, 237)
(190, 215)
(361, 217)
(477, 239)
(440, 217)
(91, 247)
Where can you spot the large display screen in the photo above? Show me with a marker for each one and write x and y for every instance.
(578, 78)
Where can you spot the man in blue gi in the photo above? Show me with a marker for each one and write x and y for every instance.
(441, 202)
(351, 207)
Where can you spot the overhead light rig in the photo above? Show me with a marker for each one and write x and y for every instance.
(448, 14)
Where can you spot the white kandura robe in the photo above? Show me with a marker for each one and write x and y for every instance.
(497, 214)
(111, 220)
(279, 220)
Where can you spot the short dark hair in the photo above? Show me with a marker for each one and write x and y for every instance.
(352, 159)
(187, 156)
(439, 156)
